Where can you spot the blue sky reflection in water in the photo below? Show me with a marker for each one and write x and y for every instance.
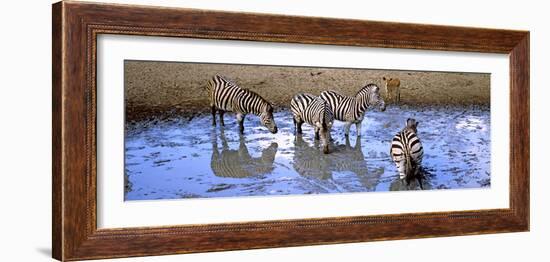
(177, 158)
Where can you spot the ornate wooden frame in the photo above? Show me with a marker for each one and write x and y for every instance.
(76, 26)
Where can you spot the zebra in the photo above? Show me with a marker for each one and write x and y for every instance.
(352, 109)
(316, 112)
(406, 152)
(225, 95)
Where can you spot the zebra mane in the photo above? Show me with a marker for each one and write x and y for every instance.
(368, 86)
(269, 107)
(225, 79)
(323, 114)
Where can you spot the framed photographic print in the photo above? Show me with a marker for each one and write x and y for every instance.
(182, 130)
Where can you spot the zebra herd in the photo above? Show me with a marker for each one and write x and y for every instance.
(320, 112)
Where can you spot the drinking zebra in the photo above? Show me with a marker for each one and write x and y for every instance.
(314, 111)
(225, 95)
(406, 152)
(352, 109)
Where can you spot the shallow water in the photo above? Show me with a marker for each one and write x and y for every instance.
(188, 158)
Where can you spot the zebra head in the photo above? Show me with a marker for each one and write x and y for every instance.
(412, 124)
(369, 96)
(266, 118)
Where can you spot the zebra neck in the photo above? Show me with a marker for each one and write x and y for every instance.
(253, 108)
(361, 104)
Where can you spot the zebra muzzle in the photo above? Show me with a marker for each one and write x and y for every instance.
(274, 130)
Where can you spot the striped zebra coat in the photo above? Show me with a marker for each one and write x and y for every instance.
(317, 113)
(406, 151)
(352, 109)
(226, 96)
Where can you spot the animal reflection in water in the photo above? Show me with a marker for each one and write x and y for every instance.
(238, 163)
(309, 161)
(421, 183)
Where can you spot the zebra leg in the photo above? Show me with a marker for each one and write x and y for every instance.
(221, 117)
(346, 128)
(298, 125)
(240, 120)
(358, 144)
(358, 128)
(316, 133)
(213, 115)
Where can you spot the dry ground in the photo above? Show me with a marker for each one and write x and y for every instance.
(158, 88)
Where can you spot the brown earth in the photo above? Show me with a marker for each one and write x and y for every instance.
(160, 88)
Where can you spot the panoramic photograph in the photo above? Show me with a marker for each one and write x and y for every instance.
(206, 130)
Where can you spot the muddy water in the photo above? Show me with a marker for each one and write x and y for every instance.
(188, 158)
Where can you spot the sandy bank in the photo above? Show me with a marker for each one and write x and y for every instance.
(156, 88)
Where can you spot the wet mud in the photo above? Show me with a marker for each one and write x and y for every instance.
(186, 157)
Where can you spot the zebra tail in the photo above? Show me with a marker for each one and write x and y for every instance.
(323, 123)
(409, 170)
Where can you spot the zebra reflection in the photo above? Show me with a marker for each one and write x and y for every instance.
(238, 163)
(351, 159)
(309, 161)
(422, 183)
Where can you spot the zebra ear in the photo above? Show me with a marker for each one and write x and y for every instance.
(270, 109)
(410, 122)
